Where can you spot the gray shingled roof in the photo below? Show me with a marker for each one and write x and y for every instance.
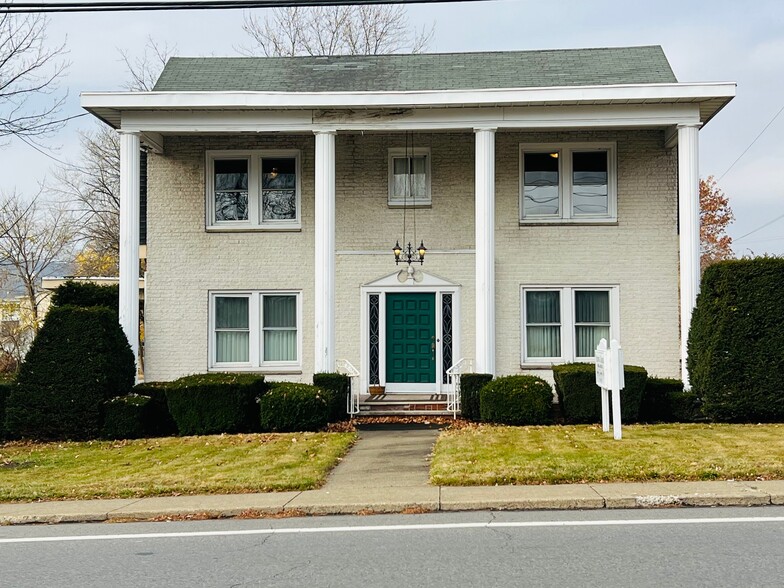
(446, 71)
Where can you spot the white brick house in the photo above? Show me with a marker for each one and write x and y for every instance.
(556, 192)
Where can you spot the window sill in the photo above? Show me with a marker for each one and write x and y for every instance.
(539, 366)
(254, 229)
(409, 205)
(257, 370)
(565, 222)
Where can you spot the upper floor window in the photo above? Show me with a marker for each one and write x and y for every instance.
(253, 189)
(409, 177)
(570, 182)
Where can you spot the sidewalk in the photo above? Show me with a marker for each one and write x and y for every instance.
(387, 472)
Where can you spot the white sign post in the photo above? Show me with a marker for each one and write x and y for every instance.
(609, 377)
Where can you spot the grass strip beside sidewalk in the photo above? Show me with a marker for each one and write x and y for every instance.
(489, 455)
(216, 464)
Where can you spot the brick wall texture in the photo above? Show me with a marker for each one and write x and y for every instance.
(639, 253)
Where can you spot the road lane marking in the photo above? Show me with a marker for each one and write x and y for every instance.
(381, 528)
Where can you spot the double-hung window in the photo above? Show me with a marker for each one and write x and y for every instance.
(249, 190)
(255, 330)
(568, 182)
(409, 177)
(563, 324)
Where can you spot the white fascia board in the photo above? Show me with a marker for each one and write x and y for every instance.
(429, 98)
(306, 121)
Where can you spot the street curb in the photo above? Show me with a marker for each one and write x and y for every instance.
(414, 499)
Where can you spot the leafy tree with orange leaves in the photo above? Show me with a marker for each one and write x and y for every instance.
(715, 216)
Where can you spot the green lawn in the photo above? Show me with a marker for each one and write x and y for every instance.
(487, 455)
(215, 464)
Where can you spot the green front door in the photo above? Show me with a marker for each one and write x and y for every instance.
(411, 336)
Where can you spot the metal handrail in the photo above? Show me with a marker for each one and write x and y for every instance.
(462, 366)
(344, 366)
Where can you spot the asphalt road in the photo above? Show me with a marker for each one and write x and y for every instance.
(677, 547)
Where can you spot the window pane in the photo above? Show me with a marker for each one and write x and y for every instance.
(588, 338)
(542, 307)
(231, 312)
(279, 173)
(412, 185)
(540, 191)
(543, 341)
(400, 166)
(231, 206)
(279, 205)
(592, 307)
(231, 174)
(280, 345)
(232, 346)
(280, 312)
(589, 183)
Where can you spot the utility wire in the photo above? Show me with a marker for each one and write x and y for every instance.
(752, 143)
(770, 222)
(149, 5)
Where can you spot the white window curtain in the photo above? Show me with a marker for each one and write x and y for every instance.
(232, 329)
(543, 323)
(413, 186)
(279, 323)
(591, 319)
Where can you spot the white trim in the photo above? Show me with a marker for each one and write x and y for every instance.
(255, 361)
(567, 324)
(565, 168)
(130, 161)
(324, 252)
(255, 159)
(623, 93)
(484, 241)
(429, 284)
(395, 201)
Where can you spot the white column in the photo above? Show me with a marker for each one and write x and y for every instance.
(129, 238)
(325, 251)
(689, 226)
(485, 250)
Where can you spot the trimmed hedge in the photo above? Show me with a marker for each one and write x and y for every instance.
(85, 295)
(127, 417)
(685, 407)
(288, 407)
(517, 400)
(736, 341)
(79, 359)
(161, 423)
(209, 404)
(580, 397)
(470, 385)
(5, 390)
(656, 405)
(338, 386)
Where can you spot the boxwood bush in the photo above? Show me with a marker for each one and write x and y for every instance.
(656, 405)
(160, 422)
(128, 417)
(290, 407)
(338, 386)
(84, 295)
(470, 385)
(736, 341)
(580, 397)
(516, 400)
(79, 359)
(685, 407)
(209, 404)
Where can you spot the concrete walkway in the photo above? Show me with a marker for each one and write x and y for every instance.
(387, 471)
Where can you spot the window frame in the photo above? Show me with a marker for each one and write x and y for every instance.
(565, 183)
(256, 361)
(255, 220)
(568, 325)
(394, 201)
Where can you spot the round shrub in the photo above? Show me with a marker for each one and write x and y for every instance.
(127, 417)
(516, 400)
(84, 294)
(209, 404)
(79, 359)
(338, 386)
(470, 385)
(288, 407)
(581, 399)
(736, 341)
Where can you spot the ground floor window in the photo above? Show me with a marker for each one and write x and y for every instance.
(565, 323)
(255, 329)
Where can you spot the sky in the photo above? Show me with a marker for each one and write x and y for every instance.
(704, 41)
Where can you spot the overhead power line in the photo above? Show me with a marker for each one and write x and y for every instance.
(775, 116)
(147, 5)
(759, 228)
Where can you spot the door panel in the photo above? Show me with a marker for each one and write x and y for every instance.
(411, 330)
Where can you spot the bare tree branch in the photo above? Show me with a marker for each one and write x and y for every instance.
(144, 69)
(333, 30)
